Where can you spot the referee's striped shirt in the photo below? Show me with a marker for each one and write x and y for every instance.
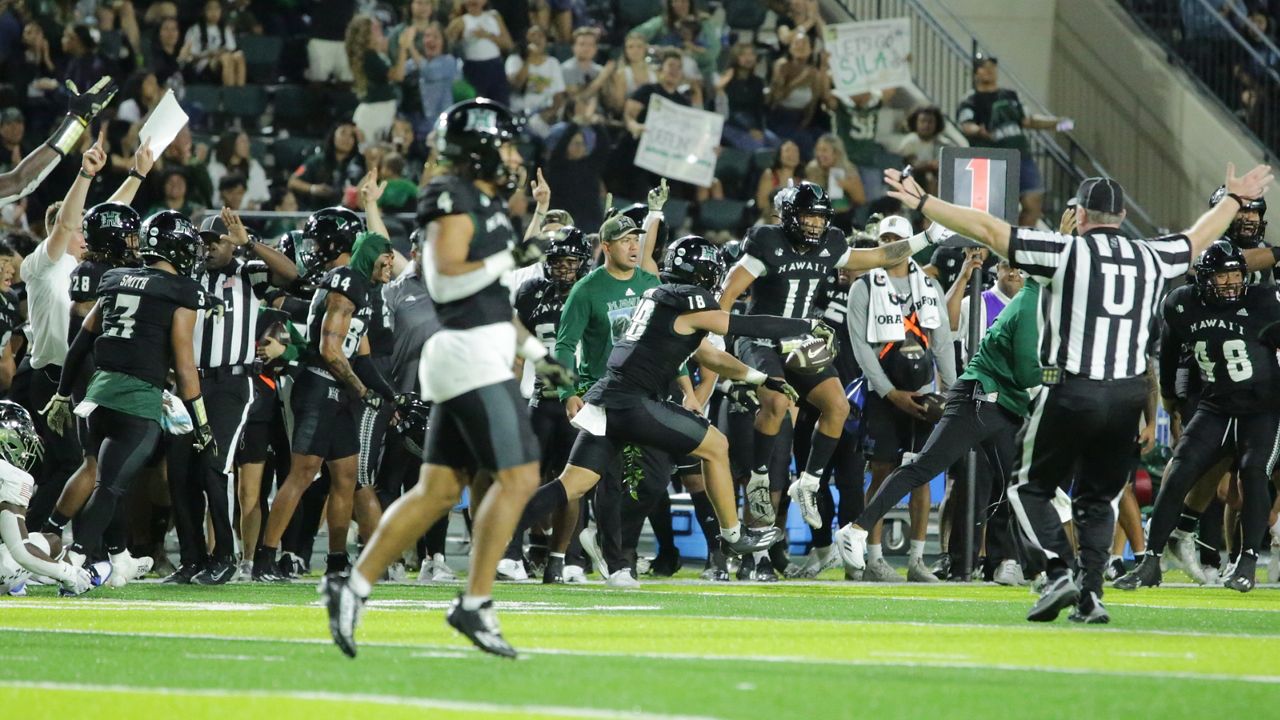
(228, 338)
(1104, 293)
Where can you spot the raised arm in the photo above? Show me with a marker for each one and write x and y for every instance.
(652, 221)
(1214, 222)
(36, 166)
(72, 210)
(143, 160)
(974, 224)
(281, 267)
(541, 191)
(368, 192)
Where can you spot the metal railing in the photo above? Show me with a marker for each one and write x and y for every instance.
(1227, 60)
(941, 66)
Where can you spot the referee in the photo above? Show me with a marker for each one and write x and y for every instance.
(1101, 293)
(225, 351)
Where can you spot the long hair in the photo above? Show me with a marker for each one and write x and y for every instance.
(204, 27)
(225, 150)
(359, 38)
(842, 157)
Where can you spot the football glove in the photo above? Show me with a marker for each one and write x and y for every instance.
(759, 501)
(658, 196)
(528, 251)
(779, 385)
(74, 580)
(57, 413)
(85, 105)
(553, 374)
(742, 395)
(825, 333)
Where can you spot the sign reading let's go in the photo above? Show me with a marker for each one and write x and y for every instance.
(868, 56)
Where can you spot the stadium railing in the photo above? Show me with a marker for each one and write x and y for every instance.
(941, 67)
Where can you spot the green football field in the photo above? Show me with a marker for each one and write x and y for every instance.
(680, 649)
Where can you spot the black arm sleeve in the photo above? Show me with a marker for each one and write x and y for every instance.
(76, 354)
(372, 379)
(1169, 348)
(769, 327)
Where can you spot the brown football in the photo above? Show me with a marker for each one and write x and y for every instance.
(813, 356)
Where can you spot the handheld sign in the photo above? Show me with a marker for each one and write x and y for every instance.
(680, 142)
(981, 178)
(867, 56)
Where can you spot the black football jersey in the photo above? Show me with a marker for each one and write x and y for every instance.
(649, 356)
(833, 307)
(789, 284)
(349, 284)
(538, 305)
(381, 336)
(10, 317)
(84, 288)
(451, 195)
(137, 314)
(1234, 347)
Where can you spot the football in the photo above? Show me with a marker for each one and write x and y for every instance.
(810, 357)
(933, 405)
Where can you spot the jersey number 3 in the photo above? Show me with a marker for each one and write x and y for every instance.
(1236, 355)
(119, 322)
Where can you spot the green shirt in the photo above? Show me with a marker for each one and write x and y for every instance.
(377, 87)
(126, 394)
(1007, 361)
(595, 316)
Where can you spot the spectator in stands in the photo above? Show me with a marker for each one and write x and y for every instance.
(193, 159)
(374, 75)
(282, 201)
(798, 86)
(537, 85)
(437, 73)
(13, 143)
(856, 121)
(32, 72)
(830, 168)
(326, 52)
(400, 194)
(992, 116)
(120, 38)
(744, 111)
(214, 57)
(484, 40)
(81, 64)
(583, 76)
(577, 159)
(405, 141)
(321, 180)
(141, 95)
(921, 146)
(628, 181)
(664, 31)
(165, 54)
(231, 191)
(636, 71)
(175, 194)
(233, 155)
(242, 19)
(802, 17)
(419, 19)
(787, 169)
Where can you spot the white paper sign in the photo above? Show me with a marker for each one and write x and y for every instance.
(679, 142)
(871, 55)
(163, 125)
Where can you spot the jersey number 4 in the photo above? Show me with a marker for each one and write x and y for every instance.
(119, 322)
(1236, 355)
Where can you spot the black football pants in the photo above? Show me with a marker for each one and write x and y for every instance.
(128, 442)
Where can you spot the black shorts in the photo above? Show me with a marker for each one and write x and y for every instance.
(255, 441)
(485, 429)
(324, 419)
(768, 360)
(889, 432)
(555, 435)
(373, 439)
(656, 424)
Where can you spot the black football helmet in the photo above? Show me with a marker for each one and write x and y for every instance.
(331, 231)
(1223, 256)
(808, 199)
(19, 444)
(693, 260)
(567, 242)
(468, 136)
(731, 252)
(111, 232)
(1244, 230)
(415, 415)
(168, 235)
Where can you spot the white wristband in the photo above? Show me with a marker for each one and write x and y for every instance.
(653, 218)
(498, 263)
(532, 349)
(918, 242)
(755, 377)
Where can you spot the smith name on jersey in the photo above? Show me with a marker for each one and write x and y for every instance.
(787, 278)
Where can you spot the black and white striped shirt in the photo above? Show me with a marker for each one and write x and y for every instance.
(1104, 293)
(228, 338)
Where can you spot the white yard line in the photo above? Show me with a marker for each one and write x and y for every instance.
(939, 663)
(424, 703)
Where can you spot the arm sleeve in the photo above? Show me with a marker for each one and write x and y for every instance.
(859, 299)
(80, 348)
(573, 320)
(768, 327)
(1169, 359)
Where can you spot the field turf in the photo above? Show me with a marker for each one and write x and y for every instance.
(679, 649)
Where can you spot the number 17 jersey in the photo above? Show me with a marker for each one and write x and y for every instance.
(1234, 347)
(787, 279)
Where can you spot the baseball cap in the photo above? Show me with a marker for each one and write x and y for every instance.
(981, 58)
(896, 225)
(1101, 194)
(618, 227)
(11, 114)
(213, 223)
(558, 217)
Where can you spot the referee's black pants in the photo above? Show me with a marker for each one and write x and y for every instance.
(62, 454)
(207, 480)
(1093, 423)
(967, 422)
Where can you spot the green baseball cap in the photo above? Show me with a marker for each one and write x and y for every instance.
(618, 227)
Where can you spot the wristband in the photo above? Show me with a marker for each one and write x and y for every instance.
(754, 377)
(498, 263)
(920, 205)
(67, 136)
(654, 217)
(133, 173)
(196, 407)
(532, 349)
(918, 242)
(85, 175)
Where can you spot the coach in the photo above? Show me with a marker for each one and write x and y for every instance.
(1101, 294)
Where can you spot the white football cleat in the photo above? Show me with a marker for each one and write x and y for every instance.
(851, 542)
(511, 570)
(804, 493)
(623, 579)
(574, 574)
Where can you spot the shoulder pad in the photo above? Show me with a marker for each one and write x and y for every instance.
(761, 241)
(446, 195)
(179, 290)
(685, 298)
(348, 283)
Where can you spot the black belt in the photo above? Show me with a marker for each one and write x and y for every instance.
(226, 371)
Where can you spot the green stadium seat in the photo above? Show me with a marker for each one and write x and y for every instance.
(289, 153)
(203, 98)
(763, 158)
(295, 108)
(633, 12)
(247, 103)
(261, 56)
(727, 215)
(676, 212)
(732, 168)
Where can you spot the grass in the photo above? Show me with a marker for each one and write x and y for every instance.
(677, 649)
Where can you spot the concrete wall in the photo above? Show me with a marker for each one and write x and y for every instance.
(1019, 32)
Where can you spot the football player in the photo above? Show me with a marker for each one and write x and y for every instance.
(1234, 331)
(1248, 230)
(140, 328)
(479, 421)
(784, 265)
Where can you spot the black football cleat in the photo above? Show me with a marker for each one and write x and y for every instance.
(343, 606)
(183, 575)
(1090, 611)
(1145, 574)
(553, 573)
(1243, 579)
(764, 572)
(1056, 596)
(480, 626)
(216, 572)
(666, 563)
(268, 572)
(751, 540)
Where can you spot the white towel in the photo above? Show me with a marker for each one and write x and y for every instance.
(884, 316)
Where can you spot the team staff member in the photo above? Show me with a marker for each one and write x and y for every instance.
(1096, 317)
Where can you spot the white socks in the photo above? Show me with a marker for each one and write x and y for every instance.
(917, 550)
(359, 585)
(874, 553)
(731, 534)
(470, 603)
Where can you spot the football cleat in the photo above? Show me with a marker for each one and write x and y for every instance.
(918, 573)
(511, 570)
(1273, 565)
(623, 580)
(759, 501)
(574, 575)
(804, 493)
(440, 570)
(125, 568)
(1090, 611)
(1183, 554)
(344, 607)
(1146, 573)
(1245, 575)
(717, 569)
(942, 567)
(764, 572)
(217, 572)
(553, 573)
(1114, 570)
(1009, 572)
(879, 570)
(666, 564)
(591, 547)
(1057, 595)
(99, 574)
(183, 575)
(750, 540)
(851, 542)
(269, 572)
(480, 626)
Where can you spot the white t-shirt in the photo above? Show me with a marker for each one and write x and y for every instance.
(545, 81)
(476, 49)
(48, 304)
